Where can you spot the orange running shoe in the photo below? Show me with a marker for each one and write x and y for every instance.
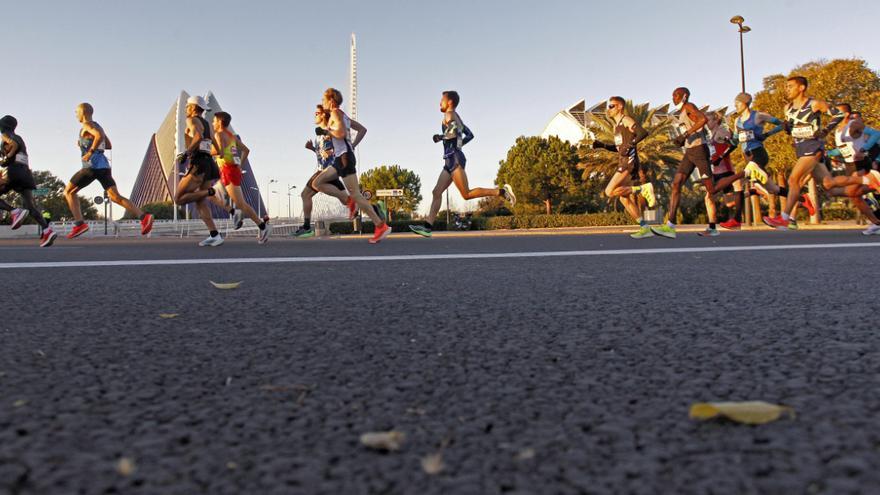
(382, 232)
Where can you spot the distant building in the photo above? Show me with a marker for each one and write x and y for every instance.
(158, 176)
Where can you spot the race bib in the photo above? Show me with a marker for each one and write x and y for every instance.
(847, 151)
(618, 139)
(746, 136)
(205, 146)
(21, 158)
(803, 132)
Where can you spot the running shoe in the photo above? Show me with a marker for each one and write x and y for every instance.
(508, 194)
(647, 192)
(776, 222)
(873, 177)
(664, 231)
(78, 230)
(421, 230)
(18, 216)
(263, 235)
(709, 232)
(237, 219)
(731, 224)
(381, 233)
(212, 241)
(302, 233)
(642, 233)
(805, 201)
(872, 229)
(48, 237)
(352, 208)
(146, 224)
(792, 224)
(755, 173)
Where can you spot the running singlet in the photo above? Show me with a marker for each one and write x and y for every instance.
(343, 146)
(99, 160)
(848, 147)
(455, 135)
(205, 143)
(21, 156)
(694, 140)
(717, 149)
(749, 132)
(805, 124)
(324, 145)
(623, 139)
(229, 156)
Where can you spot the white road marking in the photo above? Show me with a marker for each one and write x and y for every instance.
(422, 257)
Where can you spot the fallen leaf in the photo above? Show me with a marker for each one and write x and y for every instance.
(433, 463)
(125, 466)
(751, 412)
(231, 465)
(384, 440)
(230, 286)
(19, 403)
(525, 454)
(168, 315)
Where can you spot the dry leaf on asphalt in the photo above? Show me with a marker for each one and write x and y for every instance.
(433, 463)
(751, 412)
(19, 403)
(384, 440)
(168, 315)
(229, 286)
(125, 466)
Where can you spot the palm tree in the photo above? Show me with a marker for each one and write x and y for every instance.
(658, 155)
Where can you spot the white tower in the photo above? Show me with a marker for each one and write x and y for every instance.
(353, 80)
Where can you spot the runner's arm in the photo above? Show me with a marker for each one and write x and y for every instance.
(836, 117)
(639, 132)
(468, 135)
(766, 118)
(11, 151)
(873, 137)
(361, 132)
(243, 150)
(195, 135)
(697, 116)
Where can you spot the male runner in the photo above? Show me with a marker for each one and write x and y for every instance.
(14, 158)
(803, 121)
(339, 129)
(627, 135)
(202, 173)
(857, 147)
(692, 136)
(322, 146)
(454, 136)
(92, 142)
(721, 144)
(230, 153)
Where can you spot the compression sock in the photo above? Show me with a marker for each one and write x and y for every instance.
(232, 210)
(738, 205)
(307, 223)
(641, 221)
(712, 225)
(213, 233)
(262, 226)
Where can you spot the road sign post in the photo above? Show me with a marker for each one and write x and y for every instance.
(389, 193)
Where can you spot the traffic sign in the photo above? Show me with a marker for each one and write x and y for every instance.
(389, 193)
(42, 191)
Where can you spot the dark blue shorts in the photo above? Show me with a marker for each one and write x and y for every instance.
(810, 147)
(453, 161)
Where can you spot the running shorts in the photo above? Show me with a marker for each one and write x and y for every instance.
(86, 176)
(230, 175)
(453, 161)
(696, 157)
(202, 165)
(335, 182)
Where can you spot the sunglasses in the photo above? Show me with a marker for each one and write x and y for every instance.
(612, 106)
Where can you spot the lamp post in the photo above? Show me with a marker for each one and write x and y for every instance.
(259, 202)
(738, 20)
(268, 184)
(289, 188)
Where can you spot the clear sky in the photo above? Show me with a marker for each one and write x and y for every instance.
(515, 64)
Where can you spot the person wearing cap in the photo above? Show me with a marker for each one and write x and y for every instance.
(856, 145)
(93, 141)
(14, 158)
(201, 174)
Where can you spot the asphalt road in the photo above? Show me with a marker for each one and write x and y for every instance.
(528, 373)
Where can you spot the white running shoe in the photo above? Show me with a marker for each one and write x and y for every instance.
(18, 216)
(263, 235)
(212, 241)
(872, 230)
(509, 196)
(237, 219)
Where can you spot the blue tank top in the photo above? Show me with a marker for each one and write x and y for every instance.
(749, 132)
(98, 160)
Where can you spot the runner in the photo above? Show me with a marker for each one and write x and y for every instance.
(627, 135)
(720, 146)
(202, 173)
(92, 142)
(691, 136)
(803, 121)
(322, 146)
(454, 136)
(339, 129)
(14, 158)
(857, 148)
(230, 154)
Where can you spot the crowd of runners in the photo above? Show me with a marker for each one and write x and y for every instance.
(214, 153)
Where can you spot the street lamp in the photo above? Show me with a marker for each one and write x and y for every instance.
(259, 202)
(269, 183)
(738, 20)
(289, 188)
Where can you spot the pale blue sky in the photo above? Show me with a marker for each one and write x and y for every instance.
(515, 64)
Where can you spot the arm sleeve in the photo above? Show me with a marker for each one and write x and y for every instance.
(468, 135)
(834, 153)
(836, 118)
(873, 137)
(639, 134)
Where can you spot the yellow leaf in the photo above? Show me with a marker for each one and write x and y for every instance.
(168, 315)
(433, 463)
(125, 466)
(384, 440)
(19, 403)
(751, 412)
(233, 285)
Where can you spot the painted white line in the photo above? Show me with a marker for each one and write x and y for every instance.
(419, 257)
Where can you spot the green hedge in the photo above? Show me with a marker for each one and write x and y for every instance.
(554, 221)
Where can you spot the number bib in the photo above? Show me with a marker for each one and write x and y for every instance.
(847, 151)
(746, 136)
(618, 139)
(205, 146)
(21, 159)
(803, 132)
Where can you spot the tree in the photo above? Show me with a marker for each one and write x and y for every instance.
(54, 202)
(543, 173)
(395, 177)
(658, 155)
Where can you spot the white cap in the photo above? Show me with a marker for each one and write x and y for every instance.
(197, 101)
